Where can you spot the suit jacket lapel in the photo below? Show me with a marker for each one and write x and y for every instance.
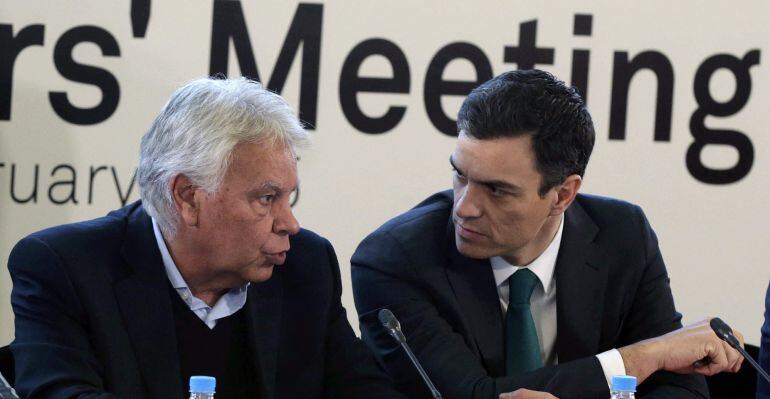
(264, 305)
(143, 298)
(580, 285)
(474, 287)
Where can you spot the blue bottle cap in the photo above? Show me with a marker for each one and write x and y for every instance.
(624, 383)
(202, 383)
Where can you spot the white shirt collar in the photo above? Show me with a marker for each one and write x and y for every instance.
(176, 279)
(543, 266)
(232, 301)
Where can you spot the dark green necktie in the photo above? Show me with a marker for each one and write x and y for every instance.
(522, 349)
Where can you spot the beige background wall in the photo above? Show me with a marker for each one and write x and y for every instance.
(714, 236)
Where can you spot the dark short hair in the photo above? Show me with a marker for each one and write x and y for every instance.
(533, 102)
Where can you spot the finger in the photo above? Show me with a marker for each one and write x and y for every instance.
(719, 361)
(738, 366)
(739, 335)
(735, 358)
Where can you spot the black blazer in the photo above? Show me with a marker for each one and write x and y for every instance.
(93, 318)
(763, 387)
(612, 290)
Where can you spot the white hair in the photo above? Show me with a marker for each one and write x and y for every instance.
(196, 131)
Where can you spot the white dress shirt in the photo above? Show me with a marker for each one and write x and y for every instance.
(231, 302)
(543, 304)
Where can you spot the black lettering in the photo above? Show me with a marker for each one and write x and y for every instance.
(87, 74)
(70, 183)
(123, 198)
(140, 17)
(91, 177)
(351, 84)
(582, 26)
(580, 61)
(229, 23)
(10, 47)
(436, 86)
(33, 196)
(527, 55)
(623, 72)
(708, 106)
(305, 29)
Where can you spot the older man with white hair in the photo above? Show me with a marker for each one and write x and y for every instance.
(208, 274)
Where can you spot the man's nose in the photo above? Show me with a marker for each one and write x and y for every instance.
(285, 222)
(467, 205)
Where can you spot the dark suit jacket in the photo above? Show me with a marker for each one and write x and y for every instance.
(763, 387)
(612, 289)
(94, 318)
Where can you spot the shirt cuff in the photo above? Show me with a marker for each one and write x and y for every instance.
(612, 364)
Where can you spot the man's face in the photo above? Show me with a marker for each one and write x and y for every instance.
(498, 210)
(244, 227)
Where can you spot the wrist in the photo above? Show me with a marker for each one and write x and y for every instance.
(641, 359)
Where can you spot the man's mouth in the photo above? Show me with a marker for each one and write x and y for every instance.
(276, 258)
(467, 233)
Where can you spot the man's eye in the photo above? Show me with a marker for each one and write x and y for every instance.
(496, 191)
(266, 199)
(458, 175)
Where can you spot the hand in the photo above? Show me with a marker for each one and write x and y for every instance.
(690, 349)
(526, 394)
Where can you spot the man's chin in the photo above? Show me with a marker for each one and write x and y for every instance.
(472, 251)
(261, 274)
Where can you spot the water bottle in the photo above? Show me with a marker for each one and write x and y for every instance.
(623, 387)
(202, 387)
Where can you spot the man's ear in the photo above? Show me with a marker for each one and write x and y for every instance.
(566, 193)
(186, 199)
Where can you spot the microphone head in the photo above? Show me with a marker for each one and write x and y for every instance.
(721, 328)
(388, 320)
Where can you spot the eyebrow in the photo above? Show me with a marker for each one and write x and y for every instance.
(497, 183)
(268, 186)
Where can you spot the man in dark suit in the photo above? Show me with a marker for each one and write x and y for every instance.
(514, 280)
(763, 387)
(198, 277)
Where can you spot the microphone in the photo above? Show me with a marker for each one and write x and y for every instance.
(725, 333)
(391, 324)
(6, 392)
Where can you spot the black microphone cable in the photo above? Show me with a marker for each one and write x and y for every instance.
(390, 323)
(725, 333)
